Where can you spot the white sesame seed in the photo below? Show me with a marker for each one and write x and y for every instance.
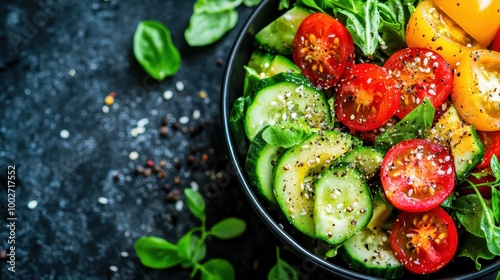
(196, 114)
(102, 200)
(105, 109)
(72, 72)
(179, 205)
(142, 122)
(167, 95)
(133, 155)
(113, 268)
(184, 120)
(64, 134)
(194, 186)
(32, 204)
(179, 86)
(124, 254)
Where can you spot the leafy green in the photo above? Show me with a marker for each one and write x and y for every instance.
(207, 28)
(376, 26)
(195, 203)
(156, 252)
(190, 250)
(228, 228)
(489, 223)
(475, 248)
(469, 213)
(286, 135)
(217, 269)
(154, 49)
(282, 270)
(414, 125)
(211, 20)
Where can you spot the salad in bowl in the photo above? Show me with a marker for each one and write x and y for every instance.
(366, 134)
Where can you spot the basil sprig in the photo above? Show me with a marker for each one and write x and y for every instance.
(155, 51)
(190, 250)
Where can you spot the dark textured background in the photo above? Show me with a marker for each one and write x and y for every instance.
(59, 59)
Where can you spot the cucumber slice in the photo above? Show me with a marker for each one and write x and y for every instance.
(282, 98)
(368, 252)
(462, 140)
(343, 204)
(276, 65)
(367, 159)
(260, 162)
(281, 64)
(278, 36)
(297, 170)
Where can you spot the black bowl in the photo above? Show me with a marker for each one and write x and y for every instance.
(232, 88)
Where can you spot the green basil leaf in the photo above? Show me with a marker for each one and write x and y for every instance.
(195, 203)
(284, 4)
(282, 270)
(228, 228)
(475, 248)
(491, 232)
(191, 250)
(155, 252)
(414, 125)
(207, 28)
(155, 51)
(212, 7)
(286, 135)
(217, 269)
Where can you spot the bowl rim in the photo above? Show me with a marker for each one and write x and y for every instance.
(254, 198)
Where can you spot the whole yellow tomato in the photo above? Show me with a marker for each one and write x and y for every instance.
(479, 18)
(429, 27)
(476, 90)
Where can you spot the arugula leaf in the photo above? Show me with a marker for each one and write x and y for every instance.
(155, 252)
(213, 7)
(228, 228)
(155, 51)
(469, 213)
(475, 248)
(414, 125)
(251, 3)
(490, 229)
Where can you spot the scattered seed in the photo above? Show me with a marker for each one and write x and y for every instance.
(168, 94)
(124, 254)
(32, 204)
(64, 134)
(133, 155)
(184, 120)
(179, 86)
(102, 200)
(105, 109)
(202, 94)
(72, 72)
(179, 205)
(113, 268)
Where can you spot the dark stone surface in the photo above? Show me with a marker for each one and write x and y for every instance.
(59, 60)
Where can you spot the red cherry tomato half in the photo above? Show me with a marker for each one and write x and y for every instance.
(424, 242)
(491, 143)
(419, 73)
(322, 48)
(366, 97)
(495, 46)
(417, 175)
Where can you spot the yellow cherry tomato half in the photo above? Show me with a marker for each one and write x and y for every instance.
(476, 90)
(479, 18)
(429, 27)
